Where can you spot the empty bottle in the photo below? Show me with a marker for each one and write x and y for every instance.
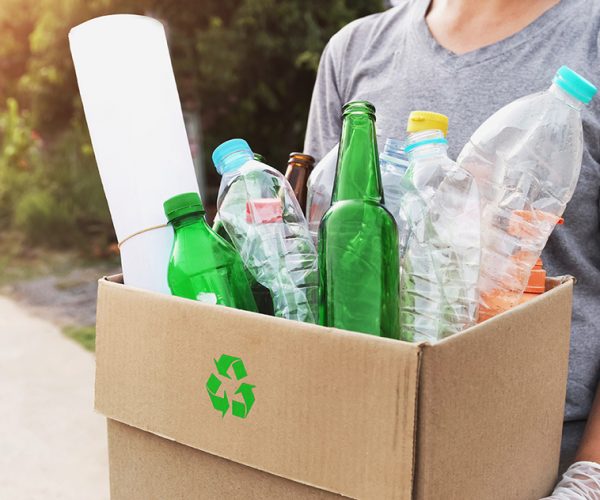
(300, 166)
(261, 215)
(262, 295)
(526, 159)
(319, 191)
(203, 266)
(393, 162)
(358, 238)
(440, 260)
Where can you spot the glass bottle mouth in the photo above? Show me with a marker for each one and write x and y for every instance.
(363, 107)
(301, 160)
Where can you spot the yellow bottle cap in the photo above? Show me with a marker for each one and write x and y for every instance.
(419, 121)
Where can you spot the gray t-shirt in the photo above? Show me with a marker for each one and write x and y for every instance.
(392, 60)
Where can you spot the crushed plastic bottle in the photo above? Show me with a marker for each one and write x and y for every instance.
(526, 159)
(260, 213)
(393, 163)
(441, 254)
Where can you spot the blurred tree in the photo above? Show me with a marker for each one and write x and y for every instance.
(247, 66)
(257, 65)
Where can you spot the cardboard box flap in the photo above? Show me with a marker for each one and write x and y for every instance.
(466, 402)
(328, 408)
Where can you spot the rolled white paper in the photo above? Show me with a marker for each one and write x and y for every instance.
(136, 125)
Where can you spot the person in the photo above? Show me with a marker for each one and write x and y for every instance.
(467, 59)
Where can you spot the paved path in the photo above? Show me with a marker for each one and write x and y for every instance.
(52, 444)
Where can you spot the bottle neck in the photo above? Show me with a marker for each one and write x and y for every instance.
(428, 143)
(566, 98)
(188, 220)
(394, 148)
(234, 161)
(301, 161)
(357, 175)
(300, 165)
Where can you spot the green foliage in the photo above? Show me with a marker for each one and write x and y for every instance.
(246, 66)
(50, 193)
(20, 157)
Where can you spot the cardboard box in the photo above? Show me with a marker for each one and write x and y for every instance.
(315, 412)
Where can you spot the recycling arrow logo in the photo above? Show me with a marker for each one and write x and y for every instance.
(242, 400)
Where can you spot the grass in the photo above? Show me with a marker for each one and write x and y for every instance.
(84, 335)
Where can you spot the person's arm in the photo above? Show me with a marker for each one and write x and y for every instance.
(589, 449)
(324, 119)
(582, 479)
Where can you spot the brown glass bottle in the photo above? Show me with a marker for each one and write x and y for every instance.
(300, 166)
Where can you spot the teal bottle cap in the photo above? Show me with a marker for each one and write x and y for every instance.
(575, 84)
(231, 155)
(183, 204)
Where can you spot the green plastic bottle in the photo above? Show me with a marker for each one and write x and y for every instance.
(203, 265)
(358, 238)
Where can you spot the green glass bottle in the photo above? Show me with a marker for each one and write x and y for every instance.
(358, 238)
(203, 266)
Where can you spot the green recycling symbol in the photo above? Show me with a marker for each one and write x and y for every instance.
(245, 391)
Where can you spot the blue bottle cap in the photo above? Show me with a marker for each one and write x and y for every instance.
(231, 155)
(575, 84)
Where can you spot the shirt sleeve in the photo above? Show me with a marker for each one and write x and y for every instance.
(324, 119)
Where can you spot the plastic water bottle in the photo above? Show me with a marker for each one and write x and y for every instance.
(260, 213)
(393, 163)
(320, 189)
(526, 159)
(203, 266)
(358, 238)
(440, 261)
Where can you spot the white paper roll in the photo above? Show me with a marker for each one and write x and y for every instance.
(136, 124)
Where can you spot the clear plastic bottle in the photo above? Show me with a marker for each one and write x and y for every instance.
(393, 163)
(526, 159)
(320, 189)
(440, 261)
(260, 213)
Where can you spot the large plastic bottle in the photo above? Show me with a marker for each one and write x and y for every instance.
(526, 159)
(203, 266)
(358, 238)
(260, 213)
(393, 162)
(440, 260)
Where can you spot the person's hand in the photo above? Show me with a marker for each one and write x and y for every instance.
(580, 482)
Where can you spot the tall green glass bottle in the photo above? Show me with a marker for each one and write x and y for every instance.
(358, 238)
(203, 266)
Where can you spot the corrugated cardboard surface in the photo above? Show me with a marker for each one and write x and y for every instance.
(491, 405)
(333, 409)
(147, 467)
